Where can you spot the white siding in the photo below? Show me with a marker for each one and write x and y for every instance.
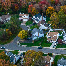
(36, 34)
(25, 19)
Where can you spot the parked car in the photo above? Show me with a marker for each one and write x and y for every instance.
(2, 47)
(39, 47)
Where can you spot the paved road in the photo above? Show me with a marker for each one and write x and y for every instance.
(13, 46)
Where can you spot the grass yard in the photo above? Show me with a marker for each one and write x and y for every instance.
(58, 57)
(1, 51)
(28, 22)
(34, 26)
(38, 43)
(15, 52)
(61, 37)
(61, 46)
(47, 19)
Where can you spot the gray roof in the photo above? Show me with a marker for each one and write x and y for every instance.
(36, 30)
(12, 58)
(61, 61)
(3, 17)
(37, 20)
(9, 53)
(38, 15)
(24, 27)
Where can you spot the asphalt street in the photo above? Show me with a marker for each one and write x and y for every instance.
(13, 46)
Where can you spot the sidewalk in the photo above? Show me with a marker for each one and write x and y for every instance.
(61, 48)
(8, 50)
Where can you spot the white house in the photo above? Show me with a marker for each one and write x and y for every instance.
(36, 33)
(38, 18)
(64, 38)
(43, 27)
(24, 17)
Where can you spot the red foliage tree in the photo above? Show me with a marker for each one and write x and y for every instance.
(43, 5)
(57, 2)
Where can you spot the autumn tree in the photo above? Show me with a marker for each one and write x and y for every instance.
(54, 20)
(43, 5)
(62, 19)
(58, 20)
(4, 56)
(49, 11)
(52, 1)
(57, 8)
(6, 4)
(32, 10)
(33, 58)
(6, 63)
(63, 8)
(22, 34)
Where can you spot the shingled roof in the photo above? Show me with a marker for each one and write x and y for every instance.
(61, 61)
(53, 36)
(36, 30)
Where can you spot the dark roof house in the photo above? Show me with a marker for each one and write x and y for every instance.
(38, 17)
(61, 62)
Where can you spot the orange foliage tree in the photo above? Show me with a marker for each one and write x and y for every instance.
(49, 11)
(6, 5)
(32, 10)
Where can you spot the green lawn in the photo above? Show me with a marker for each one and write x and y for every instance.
(15, 52)
(34, 26)
(47, 19)
(61, 46)
(61, 37)
(37, 43)
(1, 51)
(58, 57)
(28, 22)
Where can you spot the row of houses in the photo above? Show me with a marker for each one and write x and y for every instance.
(40, 20)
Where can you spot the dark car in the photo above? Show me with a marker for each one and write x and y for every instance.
(39, 47)
(2, 47)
